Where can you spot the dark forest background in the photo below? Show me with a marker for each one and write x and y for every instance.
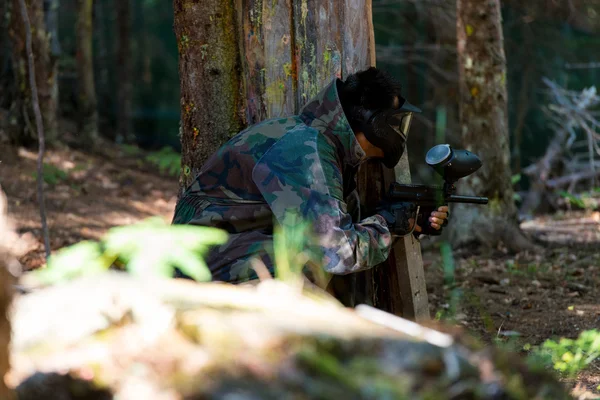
(416, 41)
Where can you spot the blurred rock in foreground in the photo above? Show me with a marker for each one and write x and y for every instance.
(114, 336)
(8, 251)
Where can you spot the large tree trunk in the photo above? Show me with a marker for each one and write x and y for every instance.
(124, 62)
(210, 72)
(22, 129)
(88, 114)
(484, 123)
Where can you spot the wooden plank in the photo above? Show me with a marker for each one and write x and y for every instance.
(266, 44)
(318, 45)
(409, 263)
(358, 38)
(250, 19)
(280, 72)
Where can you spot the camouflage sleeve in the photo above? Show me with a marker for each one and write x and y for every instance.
(301, 174)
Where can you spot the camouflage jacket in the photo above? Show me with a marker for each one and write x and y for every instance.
(304, 163)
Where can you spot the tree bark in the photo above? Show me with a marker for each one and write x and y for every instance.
(484, 122)
(88, 114)
(101, 61)
(22, 131)
(124, 61)
(212, 99)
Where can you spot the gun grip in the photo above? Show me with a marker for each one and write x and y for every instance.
(425, 224)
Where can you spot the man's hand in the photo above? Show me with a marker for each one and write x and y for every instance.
(437, 219)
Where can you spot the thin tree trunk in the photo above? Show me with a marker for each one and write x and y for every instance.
(124, 61)
(23, 130)
(212, 104)
(39, 125)
(484, 123)
(101, 61)
(88, 114)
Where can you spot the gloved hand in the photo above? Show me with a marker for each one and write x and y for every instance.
(432, 220)
(400, 217)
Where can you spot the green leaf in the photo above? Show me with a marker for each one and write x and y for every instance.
(154, 247)
(167, 160)
(83, 258)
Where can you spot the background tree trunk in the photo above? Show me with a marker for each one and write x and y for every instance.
(88, 114)
(101, 61)
(210, 71)
(484, 123)
(51, 22)
(22, 130)
(5, 80)
(124, 86)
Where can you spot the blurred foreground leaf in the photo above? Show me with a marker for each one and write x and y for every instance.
(151, 247)
(163, 247)
(71, 262)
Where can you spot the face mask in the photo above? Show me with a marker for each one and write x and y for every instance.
(387, 129)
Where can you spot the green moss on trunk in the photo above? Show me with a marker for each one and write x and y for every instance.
(212, 97)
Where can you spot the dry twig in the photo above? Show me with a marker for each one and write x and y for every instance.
(39, 125)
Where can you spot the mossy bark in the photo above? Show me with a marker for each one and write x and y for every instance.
(124, 88)
(210, 72)
(22, 130)
(484, 124)
(88, 115)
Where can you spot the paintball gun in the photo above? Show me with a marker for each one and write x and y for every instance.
(451, 164)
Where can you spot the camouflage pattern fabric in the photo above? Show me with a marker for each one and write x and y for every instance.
(304, 164)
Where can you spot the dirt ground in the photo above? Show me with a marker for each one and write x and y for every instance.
(526, 298)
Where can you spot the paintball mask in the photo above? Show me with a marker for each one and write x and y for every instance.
(387, 129)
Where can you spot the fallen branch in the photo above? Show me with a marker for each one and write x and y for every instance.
(573, 178)
(40, 126)
(569, 112)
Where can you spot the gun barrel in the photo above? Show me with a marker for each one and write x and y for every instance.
(467, 199)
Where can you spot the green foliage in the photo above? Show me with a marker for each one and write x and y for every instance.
(130, 150)
(52, 175)
(584, 200)
(568, 356)
(151, 247)
(167, 160)
(515, 179)
(572, 199)
(293, 252)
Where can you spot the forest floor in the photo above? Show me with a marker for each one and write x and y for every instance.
(526, 298)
